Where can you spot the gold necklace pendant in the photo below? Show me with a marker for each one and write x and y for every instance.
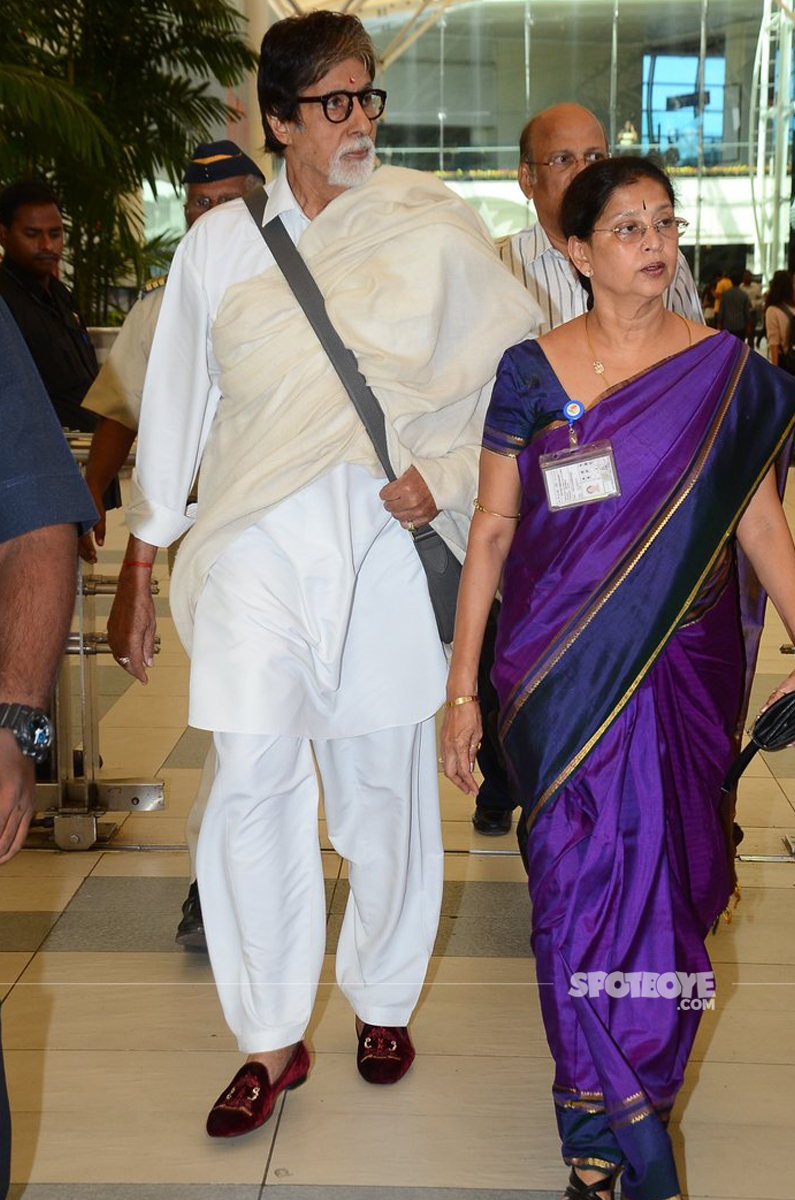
(598, 365)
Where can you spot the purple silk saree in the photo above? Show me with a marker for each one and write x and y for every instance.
(621, 671)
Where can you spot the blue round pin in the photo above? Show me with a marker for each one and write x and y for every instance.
(573, 410)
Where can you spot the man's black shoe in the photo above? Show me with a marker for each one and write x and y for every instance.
(190, 931)
(493, 822)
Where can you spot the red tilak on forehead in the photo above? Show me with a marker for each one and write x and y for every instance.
(352, 79)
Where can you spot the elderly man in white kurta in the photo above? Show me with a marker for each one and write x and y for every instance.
(298, 591)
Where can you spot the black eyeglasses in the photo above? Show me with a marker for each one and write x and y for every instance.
(338, 106)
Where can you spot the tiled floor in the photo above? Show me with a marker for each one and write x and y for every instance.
(115, 1043)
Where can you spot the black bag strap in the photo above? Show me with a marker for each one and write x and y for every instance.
(309, 296)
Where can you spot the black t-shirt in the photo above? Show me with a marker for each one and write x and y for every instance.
(57, 339)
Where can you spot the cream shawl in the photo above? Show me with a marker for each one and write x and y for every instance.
(415, 289)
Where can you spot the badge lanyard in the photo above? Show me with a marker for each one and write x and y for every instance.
(581, 474)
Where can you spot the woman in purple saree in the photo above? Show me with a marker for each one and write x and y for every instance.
(623, 659)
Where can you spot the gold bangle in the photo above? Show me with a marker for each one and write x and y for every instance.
(490, 512)
(460, 700)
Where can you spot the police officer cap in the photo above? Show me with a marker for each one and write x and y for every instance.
(212, 161)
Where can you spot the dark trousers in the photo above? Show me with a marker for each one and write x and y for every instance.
(495, 790)
(5, 1131)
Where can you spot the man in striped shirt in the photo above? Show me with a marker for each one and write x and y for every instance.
(555, 146)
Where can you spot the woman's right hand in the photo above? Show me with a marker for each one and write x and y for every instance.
(462, 730)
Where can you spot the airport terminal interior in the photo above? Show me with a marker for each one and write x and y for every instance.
(114, 1040)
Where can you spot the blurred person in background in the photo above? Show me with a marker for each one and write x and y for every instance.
(708, 301)
(722, 285)
(32, 238)
(779, 315)
(734, 314)
(753, 290)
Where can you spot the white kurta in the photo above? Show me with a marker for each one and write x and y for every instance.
(316, 621)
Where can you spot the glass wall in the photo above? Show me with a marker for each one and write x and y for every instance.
(697, 82)
(704, 84)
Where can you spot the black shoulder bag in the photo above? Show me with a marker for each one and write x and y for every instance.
(442, 568)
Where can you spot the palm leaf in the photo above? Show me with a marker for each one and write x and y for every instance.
(55, 110)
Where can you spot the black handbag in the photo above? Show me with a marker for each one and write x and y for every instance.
(773, 730)
(442, 568)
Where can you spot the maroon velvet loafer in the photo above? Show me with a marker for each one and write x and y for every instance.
(384, 1053)
(249, 1100)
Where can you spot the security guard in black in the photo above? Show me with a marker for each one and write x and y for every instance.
(31, 234)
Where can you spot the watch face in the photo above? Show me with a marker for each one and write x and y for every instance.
(40, 731)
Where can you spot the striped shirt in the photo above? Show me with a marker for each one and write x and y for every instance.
(552, 281)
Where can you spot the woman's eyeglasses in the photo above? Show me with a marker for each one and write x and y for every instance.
(635, 231)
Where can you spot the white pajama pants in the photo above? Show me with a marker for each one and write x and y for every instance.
(261, 878)
(193, 823)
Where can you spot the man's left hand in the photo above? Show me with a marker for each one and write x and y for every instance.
(409, 500)
(17, 795)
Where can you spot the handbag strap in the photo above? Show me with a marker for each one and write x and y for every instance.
(309, 296)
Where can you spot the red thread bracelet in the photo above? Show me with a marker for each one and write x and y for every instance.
(134, 562)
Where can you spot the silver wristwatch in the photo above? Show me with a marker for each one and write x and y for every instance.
(31, 727)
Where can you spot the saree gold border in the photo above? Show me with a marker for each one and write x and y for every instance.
(632, 1102)
(509, 437)
(559, 1087)
(725, 567)
(641, 1115)
(502, 453)
(586, 749)
(653, 533)
(601, 1163)
(581, 1106)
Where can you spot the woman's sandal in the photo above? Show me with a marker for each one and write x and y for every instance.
(579, 1190)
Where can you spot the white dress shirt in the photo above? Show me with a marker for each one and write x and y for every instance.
(552, 281)
(316, 621)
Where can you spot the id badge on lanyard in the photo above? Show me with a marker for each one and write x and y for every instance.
(580, 474)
